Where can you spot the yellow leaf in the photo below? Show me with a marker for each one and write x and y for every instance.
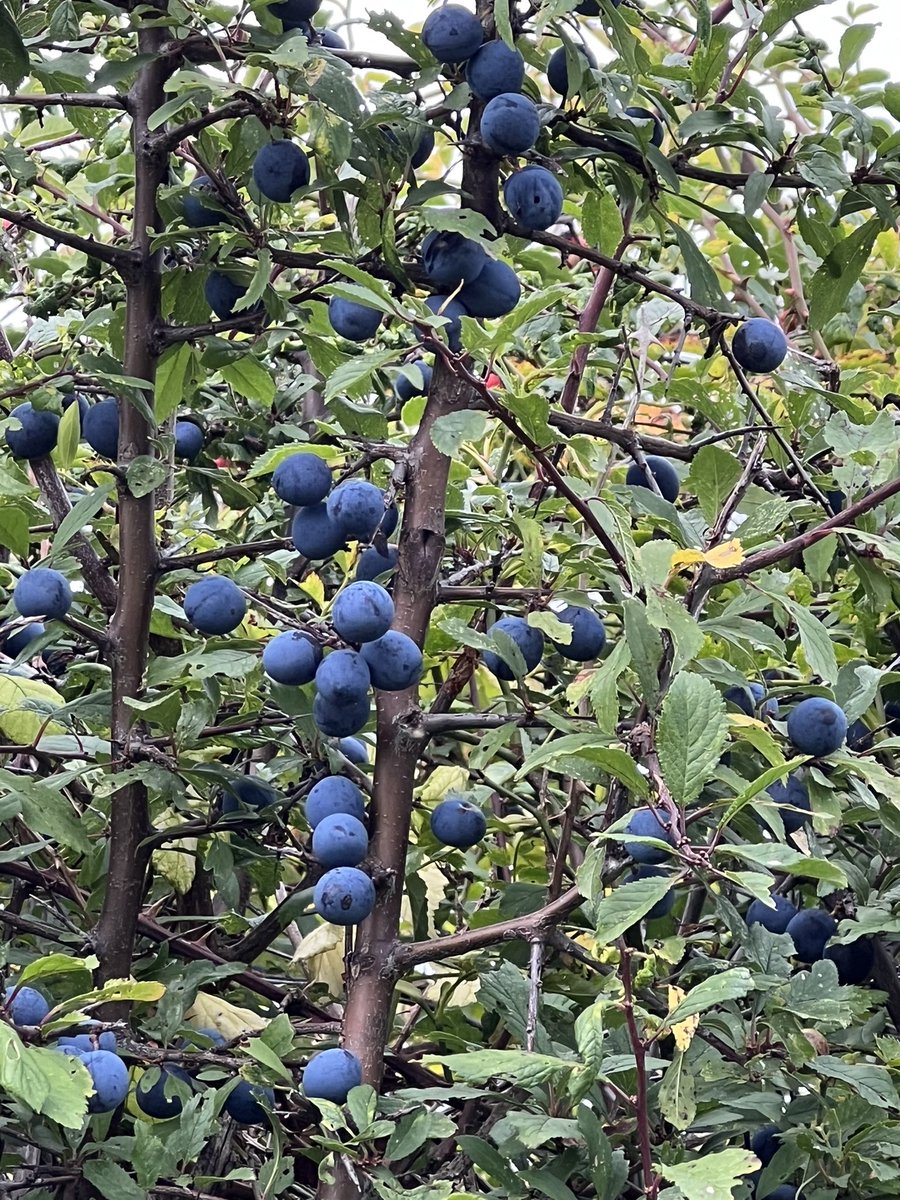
(315, 588)
(25, 705)
(212, 1012)
(435, 891)
(176, 867)
(322, 951)
(684, 1031)
(459, 996)
(729, 554)
(442, 781)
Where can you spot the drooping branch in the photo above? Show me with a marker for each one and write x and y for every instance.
(242, 106)
(113, 256)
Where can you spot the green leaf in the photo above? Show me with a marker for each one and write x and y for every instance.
(717, 989)
(853, 41)
(250, 378)
(626, 905)
(692, 733)
(817, 644)
(68, 436)
(528, 1070)
(55, 964)
(145, 991)
(702, 278)
(45, 1080)
(82, 512)
(112, 1181)
(413, 1130)
(14, 64)
(842, 268)
(448, 432)
(712, 1177)
(872, 1083)
(588, 757)
(712, 476)
(646, 649)
(145, 474)
(784, 859)
(677, 1094)
(264, 1054)
(14, 528)
(602, 220)
(172, 374)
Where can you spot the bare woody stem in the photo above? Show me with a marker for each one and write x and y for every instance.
(113, 256)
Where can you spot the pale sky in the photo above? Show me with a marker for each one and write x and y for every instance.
(881, 51)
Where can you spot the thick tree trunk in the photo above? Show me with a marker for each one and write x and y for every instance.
(130, 626)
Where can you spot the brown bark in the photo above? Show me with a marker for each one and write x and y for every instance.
(130, 626)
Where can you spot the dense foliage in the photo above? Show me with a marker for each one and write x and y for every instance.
(450, 672)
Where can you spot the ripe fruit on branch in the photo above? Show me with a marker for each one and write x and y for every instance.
(452, 33)
(42, 592)
(21, 639)
(354, 321)
(340, 841)
(222, 294)
(330, 1074)
(792, 798)
(333, 794)
(647, 823)
(373, 563)
(817, 726)
(344, 896)
(155, 1094)
(662, 907)
(452, 311)
(588, 634)
(196, 213)
(250, 791)
(341, 720)
(302, 479)
(244, 1104)
(355, 751)
(749, 698)
(314, 534)
(100, 427)
(406, 388)
(810, 930)
(493, 69)
(26, 1006)
(110, 1078)
(457, 822)
(534, 197)
(776, 919)
(855, 962)
(764, 1143)
(644, 114)
(38, 433)
(357, 509)
(494, 293)
(362, 612)
(188, 440)
(450, 259)
(759, 345)
(529, 640)
(293, 14)
(292, 658)
(510, 124)
(343, 678)
(214, 604)
(558, 68)
(394, 661)
(662, 471)
(279, 170)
